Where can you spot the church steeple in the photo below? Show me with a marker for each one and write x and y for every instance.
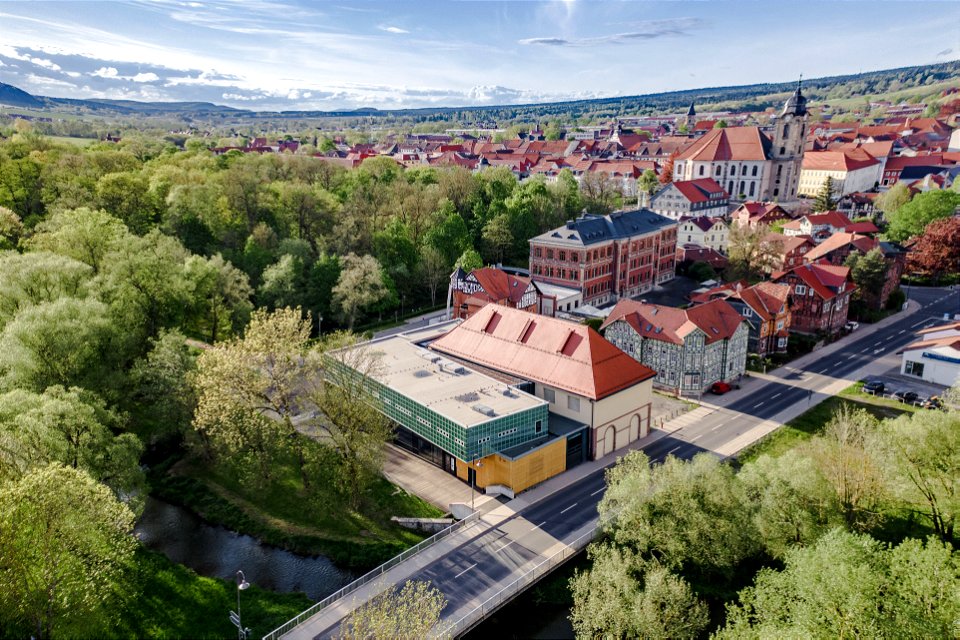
(691, 117)
(796, 104)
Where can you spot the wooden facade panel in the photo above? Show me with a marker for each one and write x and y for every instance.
(524, 472)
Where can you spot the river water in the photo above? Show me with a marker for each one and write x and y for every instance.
(218, 552)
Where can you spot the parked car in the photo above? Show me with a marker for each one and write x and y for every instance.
(874, 387)
(908, 397)
(852, 326)
(720, 388)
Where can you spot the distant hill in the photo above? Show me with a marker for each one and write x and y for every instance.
(14, 97)
(754, 97)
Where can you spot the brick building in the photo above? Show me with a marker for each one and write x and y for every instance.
(820, 298)
(620, 255)
(838, 247)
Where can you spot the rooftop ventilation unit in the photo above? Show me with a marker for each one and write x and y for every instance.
(485, 410)
(508, 392)
(432, 357)
(472, 396)
(421, 373)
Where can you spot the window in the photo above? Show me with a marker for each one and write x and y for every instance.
(913, 369)
(549, 395)
(800, 289)
(539, 426)
(747, 312)
(733, 170)
(573, 403)
(549, 254)
(754, 170)
(701, 169)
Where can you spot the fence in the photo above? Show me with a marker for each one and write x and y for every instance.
(660, 420)
(465, 623)
(369, 577)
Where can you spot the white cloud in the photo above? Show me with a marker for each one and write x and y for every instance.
(391, 29)
(106, 72)
(145, 77)
(648, 30)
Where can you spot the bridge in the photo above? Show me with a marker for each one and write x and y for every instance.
(485, 560)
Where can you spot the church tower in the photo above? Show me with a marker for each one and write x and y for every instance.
(786, 148)
(691, 118)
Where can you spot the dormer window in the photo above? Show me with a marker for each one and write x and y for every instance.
(800, 289)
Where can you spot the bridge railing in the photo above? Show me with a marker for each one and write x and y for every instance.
(494, 602)
(370, 577)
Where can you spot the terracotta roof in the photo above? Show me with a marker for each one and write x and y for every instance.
(789, 243)
(695, 253)
(717, 319)
(500, 285)
(765, 298)
(825, 279)
(837, 241)
(952, 326)
(547, 350)
(862, 227)
(699, 190)
(946, 341)
(881, 149)
(732, 143)
(897, 163)
(838, 160)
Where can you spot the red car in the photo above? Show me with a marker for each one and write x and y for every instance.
(720, 388)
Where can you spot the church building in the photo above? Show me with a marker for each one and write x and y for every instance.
(749, 162)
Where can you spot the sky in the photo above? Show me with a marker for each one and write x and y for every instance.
(344, 54)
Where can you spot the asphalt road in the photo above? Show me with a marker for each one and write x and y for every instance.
(494, 554)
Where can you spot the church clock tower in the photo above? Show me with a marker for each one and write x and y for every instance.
(786, 149)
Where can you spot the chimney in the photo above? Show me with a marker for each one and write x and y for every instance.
(569, 224)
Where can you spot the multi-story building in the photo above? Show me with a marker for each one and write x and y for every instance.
(469, 292)
(766, 307)
(748, 162)
(703, 197)
(820, 297)
(838, 247)
(850, 171)
(690, 349)
(583, 378)
(712, 233)
(788, 251)
(818, 226)
(608, 257)
(753, 214)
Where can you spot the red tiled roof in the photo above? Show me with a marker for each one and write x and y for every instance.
(704, 223)
(862, 227)
(699, 190)
(717, 319)
(695, 253)
(548, 350)
(839, 240)
(500, 285)
(822, 278)
(765, 298)
(731, 143)
(838, 160)
(898, 163)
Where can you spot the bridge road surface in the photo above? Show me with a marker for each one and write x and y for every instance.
(494, 557)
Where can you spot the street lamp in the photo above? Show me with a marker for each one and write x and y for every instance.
(242, 585)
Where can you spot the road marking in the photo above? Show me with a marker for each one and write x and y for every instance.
(878, 343)
(541, 524)
(505, 546)
(757, 405)
(875, 351)
(824, 370)
(917, 324)
(716, 427)
(852, 355)
(776, 395)
(901, 332)
(674, 449)
(465, 570)
(568, 508)
(600, 490)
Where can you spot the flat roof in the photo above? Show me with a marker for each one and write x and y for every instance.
(451, 389)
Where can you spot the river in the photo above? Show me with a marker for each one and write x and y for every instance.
(218, 552)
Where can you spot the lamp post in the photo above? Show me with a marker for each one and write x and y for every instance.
(242, 585)
(319, 324)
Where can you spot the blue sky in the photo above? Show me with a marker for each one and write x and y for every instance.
(279, 54)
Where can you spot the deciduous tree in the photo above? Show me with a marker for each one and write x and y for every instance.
(360, 286)
(937, 250)
(65, 548)
(912, 218)
(410, 613)
(82, 234)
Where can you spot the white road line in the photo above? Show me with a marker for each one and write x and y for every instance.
(541, 524)
(917, 324)
(600, 490)
(776, 395)
(717, 427)
(878, 343)
(568, 508)
(759, 404)
(505, 546)
(465, 570)
(674, 449)
(901, 332)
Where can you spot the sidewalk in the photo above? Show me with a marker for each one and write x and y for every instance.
(428, 481)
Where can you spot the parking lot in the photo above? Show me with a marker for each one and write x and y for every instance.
(893, 382)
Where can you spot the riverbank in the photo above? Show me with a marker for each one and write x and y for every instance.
(172, 601)
(283, 514)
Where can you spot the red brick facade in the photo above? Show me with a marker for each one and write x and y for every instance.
(820, 297)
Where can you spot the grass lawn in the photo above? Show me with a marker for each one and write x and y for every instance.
(174, 602)
(284, 515)
(811, 422)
